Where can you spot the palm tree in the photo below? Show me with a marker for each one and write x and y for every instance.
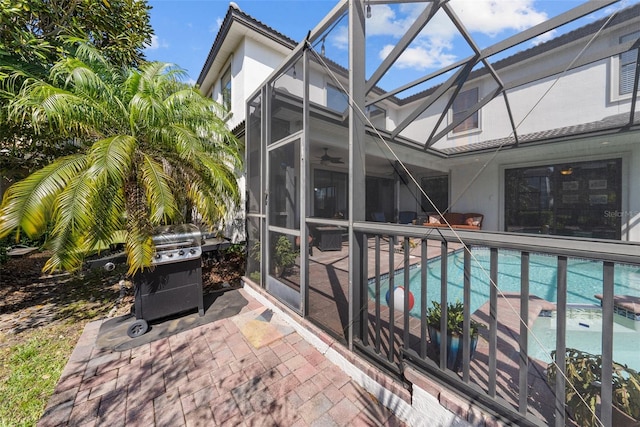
(151, 150)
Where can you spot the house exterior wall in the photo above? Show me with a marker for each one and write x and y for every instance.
(251, 63)
(582, 95)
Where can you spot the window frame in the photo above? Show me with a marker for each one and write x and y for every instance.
(615, 70)
(475, 118)
(574, 194)
(633, 55)
(225, 94)
(338, 91)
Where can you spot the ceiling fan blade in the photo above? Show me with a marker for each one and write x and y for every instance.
(326, 158)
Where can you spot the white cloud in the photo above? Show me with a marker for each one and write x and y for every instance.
(434, 46)
(421, 57)
(340, 38)
(214, 28)
(544, 37)
(491, 17)
(384, 21)
(156, 43)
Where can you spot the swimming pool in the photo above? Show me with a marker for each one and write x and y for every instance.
(584, 279)
(584, 332)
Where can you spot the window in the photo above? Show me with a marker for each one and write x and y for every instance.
(225, 88)
(336, 99)
(628, 65)
(437, 188)
(581, 199)
(460, 107)
(376, 115)
(380, 196)
(330, 194)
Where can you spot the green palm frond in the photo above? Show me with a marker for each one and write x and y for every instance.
(60, 110)
(184, 140)
(158, 191)
(210, 210)
(220, 174)
(108, 219)
(153, 148)
(28, 204)
(111, 158)
(138, 245)
(73, 211)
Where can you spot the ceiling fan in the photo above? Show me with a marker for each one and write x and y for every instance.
(326, 158)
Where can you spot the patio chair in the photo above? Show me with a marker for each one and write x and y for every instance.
(378, 217)
(406, 217)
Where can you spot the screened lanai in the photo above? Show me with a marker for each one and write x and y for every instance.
(512, 157)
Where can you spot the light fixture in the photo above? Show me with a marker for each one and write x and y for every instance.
(368, 10)
(567, 170)
(322, 49)
(294, 70)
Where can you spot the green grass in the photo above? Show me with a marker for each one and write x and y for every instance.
(30, 371)
(32, 361)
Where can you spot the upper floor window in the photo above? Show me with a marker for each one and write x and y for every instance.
(336, 99)
(376, 115)
(460, 107)
(628, 64)
(225, 88)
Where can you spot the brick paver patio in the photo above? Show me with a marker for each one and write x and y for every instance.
(209, 375)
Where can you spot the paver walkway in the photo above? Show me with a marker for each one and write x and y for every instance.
(209, 375)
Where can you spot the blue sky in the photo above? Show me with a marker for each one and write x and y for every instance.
(185, 30)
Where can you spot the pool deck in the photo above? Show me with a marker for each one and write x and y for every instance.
(628, 302)
(228, 372)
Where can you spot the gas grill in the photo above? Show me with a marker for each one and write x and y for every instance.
(174, 282)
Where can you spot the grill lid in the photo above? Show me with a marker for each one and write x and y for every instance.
(176, 243)
(178, 235)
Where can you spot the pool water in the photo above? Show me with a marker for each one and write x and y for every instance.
(584, 332)
(584, 279)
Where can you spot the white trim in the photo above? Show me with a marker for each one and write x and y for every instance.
(614, 75)
(473, 131)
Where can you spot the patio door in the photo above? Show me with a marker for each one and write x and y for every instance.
(283, 222)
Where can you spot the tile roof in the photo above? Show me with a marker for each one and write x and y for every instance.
(610, 123)
(234, 14)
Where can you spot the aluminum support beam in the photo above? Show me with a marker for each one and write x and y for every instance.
(606, 379)
(442, 89)
(546, 26)
(305, 182)
(357, 278)
(445, 110)
(402, 44)
(560, 68)
(510, 42)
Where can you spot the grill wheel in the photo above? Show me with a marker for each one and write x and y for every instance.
(137, 328)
